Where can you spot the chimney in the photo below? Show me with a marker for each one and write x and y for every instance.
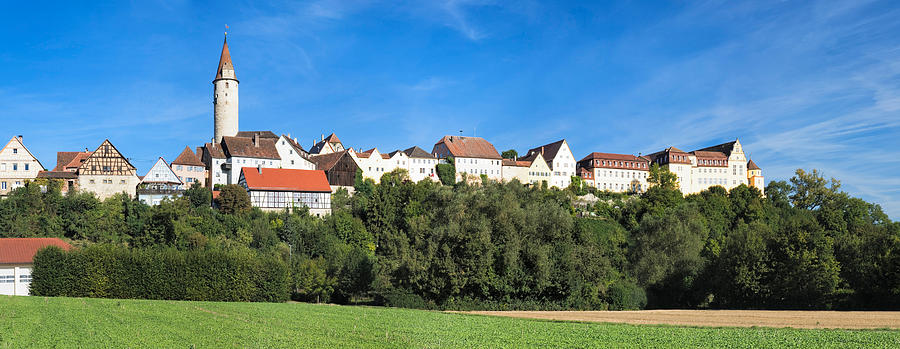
(289, 136)
(323, 137)
(256, 140)
(20, 138)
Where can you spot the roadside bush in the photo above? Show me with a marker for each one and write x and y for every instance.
(109, 271)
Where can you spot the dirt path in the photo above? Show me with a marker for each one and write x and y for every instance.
(725, 318)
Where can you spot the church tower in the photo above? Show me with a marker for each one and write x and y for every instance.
(225, 97)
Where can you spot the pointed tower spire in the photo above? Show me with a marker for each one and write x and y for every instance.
(226, 68)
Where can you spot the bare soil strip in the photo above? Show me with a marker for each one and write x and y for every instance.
(722, 318)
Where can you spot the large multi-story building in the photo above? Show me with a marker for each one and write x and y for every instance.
(473, 156)
(532, 169)
(561, 161)
(421, 164)
(282, 189)
(17, 165)
(722, 165)
(615, 172)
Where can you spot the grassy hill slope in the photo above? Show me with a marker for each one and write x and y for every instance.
(76, 322)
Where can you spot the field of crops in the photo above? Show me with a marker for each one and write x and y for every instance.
(75, 322)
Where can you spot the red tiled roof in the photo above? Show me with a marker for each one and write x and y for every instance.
(752, 166)
(57, 174)
(611, 156)
(187, 157)
(75, 159)
(63, 158)
(469, 147)
(709, 154)
(225, 61)
(215, 150)
(283, 179)
(244, 147)
(332, 138)
(22, 250)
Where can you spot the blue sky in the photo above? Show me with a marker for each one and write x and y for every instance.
(801, 84)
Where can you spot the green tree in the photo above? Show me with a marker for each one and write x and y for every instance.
(811, 190)
(198, 196)
(662, 177)
(233, 199)
(447, 171)
(510, 154)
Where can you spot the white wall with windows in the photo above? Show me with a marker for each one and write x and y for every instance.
(477, 166)
(319, 204)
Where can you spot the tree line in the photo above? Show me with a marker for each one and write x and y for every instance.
(804, 245)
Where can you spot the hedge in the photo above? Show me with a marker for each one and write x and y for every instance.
(109, 271)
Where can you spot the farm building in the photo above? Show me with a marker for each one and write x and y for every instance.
(16, 262)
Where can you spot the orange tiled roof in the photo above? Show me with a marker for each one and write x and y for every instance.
(283, 179)
(22, 250)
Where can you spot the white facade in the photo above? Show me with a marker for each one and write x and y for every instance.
(15, 279)
(217, 175)
(562, 166)
(290, 157)
(723, 165)
(374, 165)
(17, 165)
(233, 175)
(476, 167)
(422, 168)
(108, 185)
(621, 180)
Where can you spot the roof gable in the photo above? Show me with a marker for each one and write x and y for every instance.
(106, 160)
(549, 150)
(261, 134)
(416, 152)
(187, 157)
(725, 148)
(225, 63)
(17, 144)
(282, 179)
(161, 172)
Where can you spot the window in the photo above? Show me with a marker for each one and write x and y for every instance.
(3, 185)
(120, 182)
(7, 279)
(92, 181)
(179, 167)
(25, 278)
(26, 167)
(15, 167)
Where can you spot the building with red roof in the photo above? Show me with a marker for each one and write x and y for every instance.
(277, 189)
(17, 261)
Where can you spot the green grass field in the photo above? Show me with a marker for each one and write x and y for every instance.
(75, 322)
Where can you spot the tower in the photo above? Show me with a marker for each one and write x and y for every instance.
(225, 97)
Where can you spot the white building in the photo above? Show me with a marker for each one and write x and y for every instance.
(373, 163)
(17, 261)
(722, 165)
(327, 145)
(561, 161)
(159, 183)
(225, 160)
(421, 164)
(473, 156)
(225, 97)
(17, 165)
(292, 155)
(273, 189)
(616, 172)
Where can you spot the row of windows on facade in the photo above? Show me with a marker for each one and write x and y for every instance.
(255, 162)
(718, 181)
(628, 164)
(481, 171)
(620, 186)
(16, 184)
(536, 173)
(713, 162)
(8, 279)
(475, 161)
(274, 199)
(107, 181)
(190, 168)
(15, 166)
(626, 174)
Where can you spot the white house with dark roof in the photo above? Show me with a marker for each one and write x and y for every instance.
(560, 160)
(159, 183)
(327, 145)
(17, 165)
(292, 155)
(373, 163)
(421, 164)
(472, 156)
